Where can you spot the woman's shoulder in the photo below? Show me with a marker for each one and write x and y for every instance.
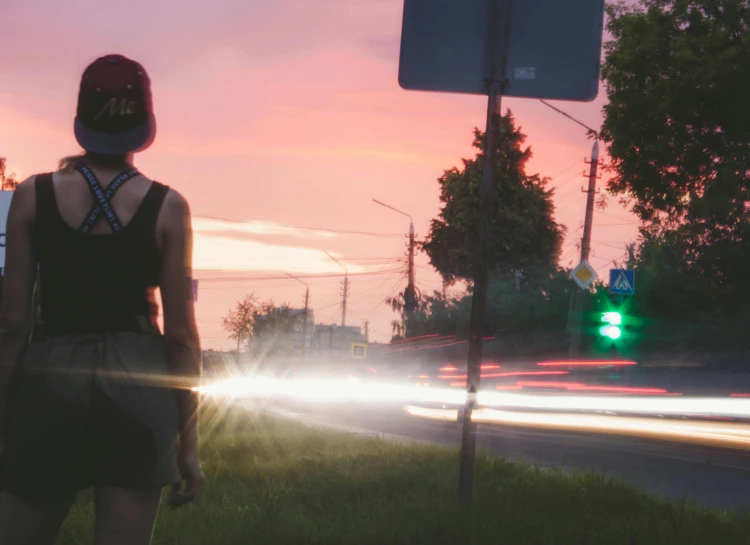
(175, 203)
(174, 216)
(23, 202)
(27, 189)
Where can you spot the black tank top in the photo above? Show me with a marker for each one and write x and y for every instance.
(97, 283)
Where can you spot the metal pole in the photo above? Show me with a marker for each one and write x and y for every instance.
(346, 289)
(304, 324)
(343, 302)
(578, 304)
(307, 306)
(479, 298)
(590, 200)
(410, 296)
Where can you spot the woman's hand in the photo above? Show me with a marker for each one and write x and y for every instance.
(192, 479)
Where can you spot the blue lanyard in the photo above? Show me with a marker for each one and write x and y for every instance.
(103, 197)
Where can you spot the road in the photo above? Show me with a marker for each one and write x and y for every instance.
(712, 477)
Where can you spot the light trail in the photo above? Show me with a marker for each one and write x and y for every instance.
(703, 433)
(355, 391)
(586, 363)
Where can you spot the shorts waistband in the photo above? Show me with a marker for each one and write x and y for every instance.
(135, 324)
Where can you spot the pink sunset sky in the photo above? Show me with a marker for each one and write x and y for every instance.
(279, 122)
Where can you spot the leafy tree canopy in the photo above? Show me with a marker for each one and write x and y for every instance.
(8, 181)
(524, 235)
(677, 123)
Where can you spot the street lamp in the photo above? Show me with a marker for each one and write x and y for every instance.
(411, 225)
(558, 110)
(410, 294)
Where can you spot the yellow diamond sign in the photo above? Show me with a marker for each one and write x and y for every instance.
(584, 275)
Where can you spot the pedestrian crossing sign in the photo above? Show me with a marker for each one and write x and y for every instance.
(584, 275)
(621, 282)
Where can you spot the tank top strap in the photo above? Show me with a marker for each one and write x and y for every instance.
(148, 211)
(46, 204)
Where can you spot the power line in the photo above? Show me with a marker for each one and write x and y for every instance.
(311, 276)
(554, 178)
(617, 217)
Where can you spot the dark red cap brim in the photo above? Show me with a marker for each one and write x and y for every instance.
(135, 140)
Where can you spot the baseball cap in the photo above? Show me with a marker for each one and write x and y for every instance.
(115, 114)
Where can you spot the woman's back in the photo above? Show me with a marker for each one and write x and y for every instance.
(98, 398)
(94, 280)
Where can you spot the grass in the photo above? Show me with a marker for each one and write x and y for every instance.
(271, 481)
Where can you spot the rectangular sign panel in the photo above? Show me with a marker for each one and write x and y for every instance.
(621, 281)
(5, 197)
(553, 47)
(359, 351)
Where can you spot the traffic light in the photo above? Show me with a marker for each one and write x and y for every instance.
(613, 327)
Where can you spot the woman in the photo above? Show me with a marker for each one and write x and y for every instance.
(98, 397)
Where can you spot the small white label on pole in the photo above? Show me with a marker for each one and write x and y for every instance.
(525, 72)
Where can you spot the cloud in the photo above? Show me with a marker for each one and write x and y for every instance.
(222, 245)
(215, 252)
(215, 226)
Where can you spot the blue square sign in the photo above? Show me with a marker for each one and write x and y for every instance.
(621, 281)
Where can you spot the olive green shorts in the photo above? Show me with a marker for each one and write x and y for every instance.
(93, 410)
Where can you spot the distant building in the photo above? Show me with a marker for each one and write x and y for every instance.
(336, 339)
(303, 336)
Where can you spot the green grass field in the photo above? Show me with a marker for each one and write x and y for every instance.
(271, 481)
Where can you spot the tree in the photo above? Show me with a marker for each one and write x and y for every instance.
(276, 329)
(435, 314)
(525, 318)
(524, 236)
(8, 182)
(240, 322)
(265, 327)
(678, 133)
(677, 123)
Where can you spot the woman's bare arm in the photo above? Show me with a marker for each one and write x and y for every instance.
(18, 283)
(180, 331)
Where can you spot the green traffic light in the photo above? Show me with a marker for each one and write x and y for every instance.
(612, 330)
(612, 318)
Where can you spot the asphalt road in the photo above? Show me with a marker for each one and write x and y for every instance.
(712, 477)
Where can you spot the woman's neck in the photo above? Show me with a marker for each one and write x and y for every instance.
(108, 162)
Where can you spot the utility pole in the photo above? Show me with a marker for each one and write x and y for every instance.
(367, 331)
(307, 308)
(346, 289)
(577, 299)
(411, 295)
(578, 304)
(343, 301)
(631, 256)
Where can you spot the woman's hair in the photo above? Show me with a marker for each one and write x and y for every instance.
(67, 164)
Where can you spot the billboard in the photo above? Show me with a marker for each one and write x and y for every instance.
(5, 197)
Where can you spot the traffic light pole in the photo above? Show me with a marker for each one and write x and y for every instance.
(578, 297)
(479, 297)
